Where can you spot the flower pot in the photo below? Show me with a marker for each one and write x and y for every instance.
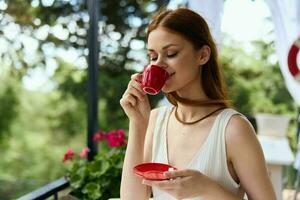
(271, 124)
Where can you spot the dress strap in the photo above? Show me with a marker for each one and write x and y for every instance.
(225, 117)
(158, 130)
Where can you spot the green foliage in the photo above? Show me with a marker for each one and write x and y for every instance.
(254, 83)
(66, 115)
(122, 24)
(33, 147)
(98, 179)
(9, 104)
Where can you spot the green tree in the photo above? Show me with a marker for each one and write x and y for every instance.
(9, 104)
(122, 28)
(255, 84)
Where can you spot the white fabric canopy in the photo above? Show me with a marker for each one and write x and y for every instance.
(211, 11)
(286, 18)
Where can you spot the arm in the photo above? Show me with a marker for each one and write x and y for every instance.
(190, 183)
(141, 124)
(137, 152)
(246, 155)
(134, 156)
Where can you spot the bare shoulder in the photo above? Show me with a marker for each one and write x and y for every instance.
(239, 129)
(240, 138)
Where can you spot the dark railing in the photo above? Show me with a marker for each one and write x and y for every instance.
(93, 58)
(48, 190)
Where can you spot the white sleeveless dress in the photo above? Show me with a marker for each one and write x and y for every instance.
(210, 158)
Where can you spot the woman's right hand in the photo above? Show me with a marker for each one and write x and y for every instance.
(135, 102)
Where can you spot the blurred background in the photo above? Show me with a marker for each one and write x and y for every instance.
(43, 75)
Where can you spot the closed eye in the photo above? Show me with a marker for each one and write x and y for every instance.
(153, 58)
(172, 55)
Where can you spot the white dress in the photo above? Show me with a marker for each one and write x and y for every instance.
(210, 158)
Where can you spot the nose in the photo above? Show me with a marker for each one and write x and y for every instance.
(161, 63)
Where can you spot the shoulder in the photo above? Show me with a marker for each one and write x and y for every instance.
(238, 128)
(240, 136)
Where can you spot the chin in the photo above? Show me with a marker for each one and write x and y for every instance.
(167, 90)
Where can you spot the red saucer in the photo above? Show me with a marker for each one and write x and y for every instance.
(152, 171)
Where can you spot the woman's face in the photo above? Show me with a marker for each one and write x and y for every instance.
(178, 56)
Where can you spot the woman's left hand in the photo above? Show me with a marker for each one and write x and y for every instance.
(182, 183)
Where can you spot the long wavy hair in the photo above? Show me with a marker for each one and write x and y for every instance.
(194, 28)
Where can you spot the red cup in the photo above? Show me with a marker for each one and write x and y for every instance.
(153, 79)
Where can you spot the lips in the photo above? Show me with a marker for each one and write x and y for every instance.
(171, 74)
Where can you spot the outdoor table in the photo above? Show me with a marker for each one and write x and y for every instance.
(277, 153)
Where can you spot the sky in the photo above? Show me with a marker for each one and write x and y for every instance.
(242, 20)
(245, 20)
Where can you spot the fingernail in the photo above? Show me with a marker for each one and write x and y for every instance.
(167, 173)
(144, 182)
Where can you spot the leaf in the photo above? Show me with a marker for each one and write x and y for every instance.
(76, 181)
(92, 190)
(104, 167)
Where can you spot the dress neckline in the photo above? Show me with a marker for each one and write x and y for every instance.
(200, 149)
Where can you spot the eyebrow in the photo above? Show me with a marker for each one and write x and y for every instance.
(165, 47)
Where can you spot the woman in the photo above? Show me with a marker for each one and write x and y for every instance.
(213, 147)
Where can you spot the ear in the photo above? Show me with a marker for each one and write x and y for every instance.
(203, 55)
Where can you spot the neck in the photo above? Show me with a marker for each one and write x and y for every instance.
(199, 119)
(191, 113)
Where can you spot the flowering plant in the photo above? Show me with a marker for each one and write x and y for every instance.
(100, 178)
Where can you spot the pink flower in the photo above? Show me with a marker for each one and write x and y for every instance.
(116, 138)
(68, 155)
(99, 136)
(84, 152)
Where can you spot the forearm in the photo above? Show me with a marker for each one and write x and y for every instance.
(134, 156)
(214, 191)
